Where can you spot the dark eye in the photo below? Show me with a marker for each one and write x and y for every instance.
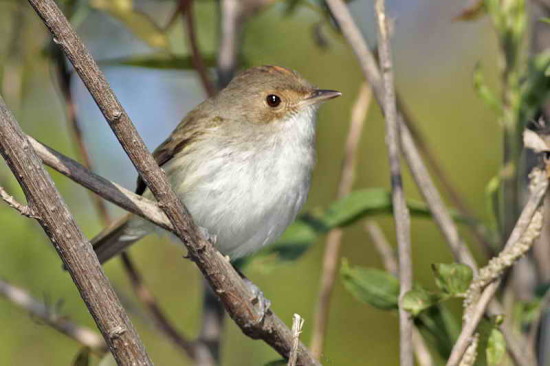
(273, 100)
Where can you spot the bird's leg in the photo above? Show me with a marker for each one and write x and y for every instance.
(210, 237)
(260, 302)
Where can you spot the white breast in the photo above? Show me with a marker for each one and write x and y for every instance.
(248, 196)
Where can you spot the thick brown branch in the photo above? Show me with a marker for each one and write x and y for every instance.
(73, 248)
(83, 335)
(141, 290)
(227, 284)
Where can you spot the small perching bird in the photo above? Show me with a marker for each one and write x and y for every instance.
(241, 163)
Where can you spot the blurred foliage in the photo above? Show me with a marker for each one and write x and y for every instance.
(140, 24)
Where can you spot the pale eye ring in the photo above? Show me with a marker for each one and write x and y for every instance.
(273, 100)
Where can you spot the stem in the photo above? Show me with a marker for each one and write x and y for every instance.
(400, 211)
(334, 238)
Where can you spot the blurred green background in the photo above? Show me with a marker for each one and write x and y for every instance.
(434, 61)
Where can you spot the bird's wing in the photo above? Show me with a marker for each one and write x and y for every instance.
(185, 132)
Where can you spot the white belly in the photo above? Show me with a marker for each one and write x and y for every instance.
(245, 197)
(247, 200)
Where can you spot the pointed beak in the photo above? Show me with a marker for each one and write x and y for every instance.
(321, 95)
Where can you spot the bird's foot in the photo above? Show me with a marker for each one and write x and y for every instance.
(260, 302)
(210, 237)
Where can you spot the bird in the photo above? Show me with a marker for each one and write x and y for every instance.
(241, 163)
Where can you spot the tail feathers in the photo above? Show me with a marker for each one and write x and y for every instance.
(113, 240)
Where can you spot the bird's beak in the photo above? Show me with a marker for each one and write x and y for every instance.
(320, 95)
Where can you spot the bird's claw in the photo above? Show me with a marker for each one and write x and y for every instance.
(260, 302)
(210, 237)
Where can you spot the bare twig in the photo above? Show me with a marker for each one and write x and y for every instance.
(528, 223)
(421, 176)
(186, 9)
(382, 246)
(24, 210)
(64, 77)
(400, 210)
(230, 27)
(69, 241)
(297, 324)
(110, 191)
(159, 318)
(83, 335)
(388, 255)
(236, 296)
(334, 238)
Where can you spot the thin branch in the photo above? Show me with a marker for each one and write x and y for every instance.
(297, 325)
(400, 210)
(111, 191)
(382, 246)
(388, 256)
(186, 9)
(64, 77)
(526, 229)
(24, 210)
(71, 245)
(159, 318)
(83, 335)
(236, 296)
(420, 174)
(334, 238)
(230, 29)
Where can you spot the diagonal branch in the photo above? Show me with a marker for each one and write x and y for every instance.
(24, 210)
(142, 292)
(83, 335)
(71, 245)
(485, 285)
(400, 211)
(236, 296)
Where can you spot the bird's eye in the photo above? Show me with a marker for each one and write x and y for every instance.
(273, 100)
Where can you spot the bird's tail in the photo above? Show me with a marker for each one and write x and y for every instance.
(114, 239)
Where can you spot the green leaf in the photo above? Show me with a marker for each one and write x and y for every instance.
(361, 203)
(545, 20)
(82, 358)
(417, 300)
(141, 26)
(496, 347)
(453, 279)
(484, 92)
(372, 286)
(159, 61)
(535, 89)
